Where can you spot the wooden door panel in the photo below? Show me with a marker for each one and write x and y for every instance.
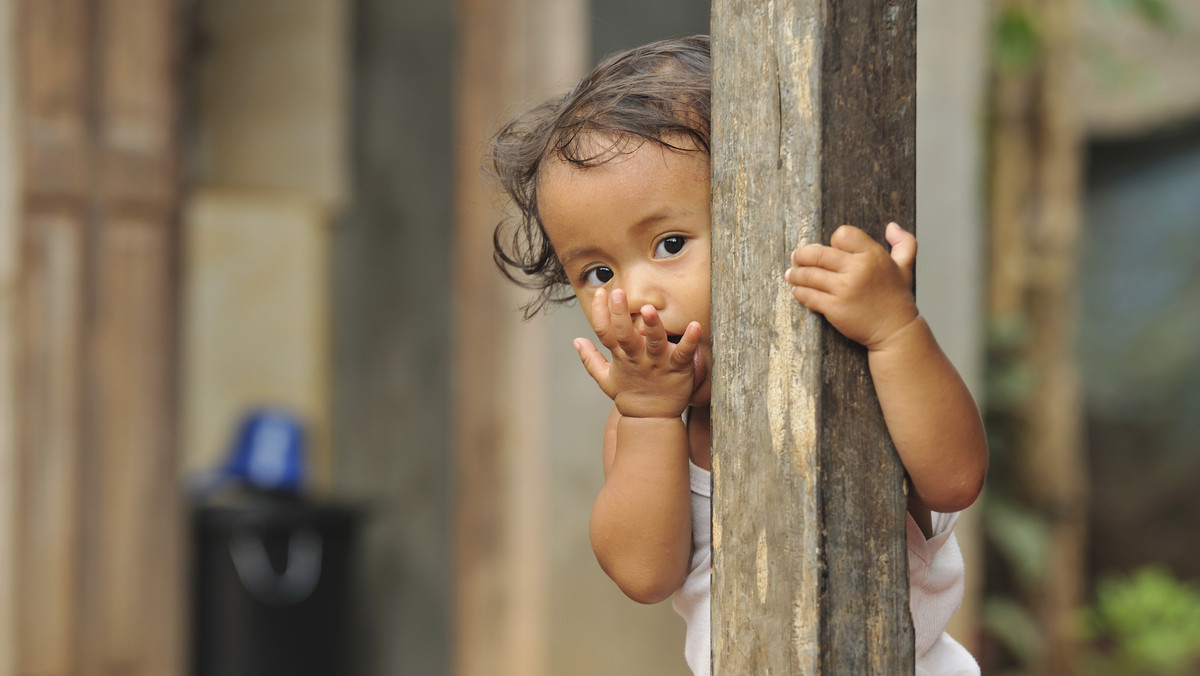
(49, 441)
(130, 468)
(98, 545)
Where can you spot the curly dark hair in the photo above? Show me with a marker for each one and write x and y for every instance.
(660, 92)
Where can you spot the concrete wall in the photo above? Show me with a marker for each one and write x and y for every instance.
(266, 166)
(391, 333)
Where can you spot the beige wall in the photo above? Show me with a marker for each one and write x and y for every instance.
(256, 332)
(271, 91)
(267, 161)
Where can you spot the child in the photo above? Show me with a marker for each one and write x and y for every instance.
(612, 185)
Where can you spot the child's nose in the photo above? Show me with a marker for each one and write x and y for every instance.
(642, 290)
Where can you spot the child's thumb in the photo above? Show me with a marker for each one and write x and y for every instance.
(904, 246)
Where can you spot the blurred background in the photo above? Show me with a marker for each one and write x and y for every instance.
(265, 400)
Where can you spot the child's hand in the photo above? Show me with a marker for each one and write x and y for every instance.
(863, 292)
(649, 377)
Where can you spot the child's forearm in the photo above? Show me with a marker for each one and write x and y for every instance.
(931, 417)
(641, 521)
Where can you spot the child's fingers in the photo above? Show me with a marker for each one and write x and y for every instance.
(627, 337)
(655, 334)
(904, 247)
(851, 239)
(594, 362)
(685, 351)
(601, 322)
(819, 256)
(816, 278)
(813, 299)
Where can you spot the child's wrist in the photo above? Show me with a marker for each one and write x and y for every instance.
(899, 335)
(649, 410)
(653, 417)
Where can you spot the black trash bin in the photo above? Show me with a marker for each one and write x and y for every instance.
(271, 580)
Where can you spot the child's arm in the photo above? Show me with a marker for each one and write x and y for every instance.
(641, 520)
(641, 524)
(866, 294)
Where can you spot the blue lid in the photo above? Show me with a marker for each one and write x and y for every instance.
(269, 452)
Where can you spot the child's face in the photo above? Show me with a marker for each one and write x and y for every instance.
(640, 223)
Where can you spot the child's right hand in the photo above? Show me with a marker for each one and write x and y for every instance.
(648, 377)
(863, 290)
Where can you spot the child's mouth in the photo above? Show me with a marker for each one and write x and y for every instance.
(675, 339)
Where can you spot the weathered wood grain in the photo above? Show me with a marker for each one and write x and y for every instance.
(813, 127)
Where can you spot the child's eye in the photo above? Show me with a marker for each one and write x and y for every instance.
(597, 276)
(669, 246)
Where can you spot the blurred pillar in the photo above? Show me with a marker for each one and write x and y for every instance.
(511, 53)
(391, 331)
(91, 323)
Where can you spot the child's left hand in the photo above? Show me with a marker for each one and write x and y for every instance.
(865, 293)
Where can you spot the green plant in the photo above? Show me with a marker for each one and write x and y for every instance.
(1017, 39)
(1146, 623)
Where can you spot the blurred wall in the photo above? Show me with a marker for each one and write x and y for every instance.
(1137, 66)
(391, 335)
(266, 173)
(952, 44)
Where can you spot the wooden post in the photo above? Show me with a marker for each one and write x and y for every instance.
(813, 126)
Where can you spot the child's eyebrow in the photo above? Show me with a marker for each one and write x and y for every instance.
(570, 257)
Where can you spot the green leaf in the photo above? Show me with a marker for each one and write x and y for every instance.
(1149, 622)
(1017, 41)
